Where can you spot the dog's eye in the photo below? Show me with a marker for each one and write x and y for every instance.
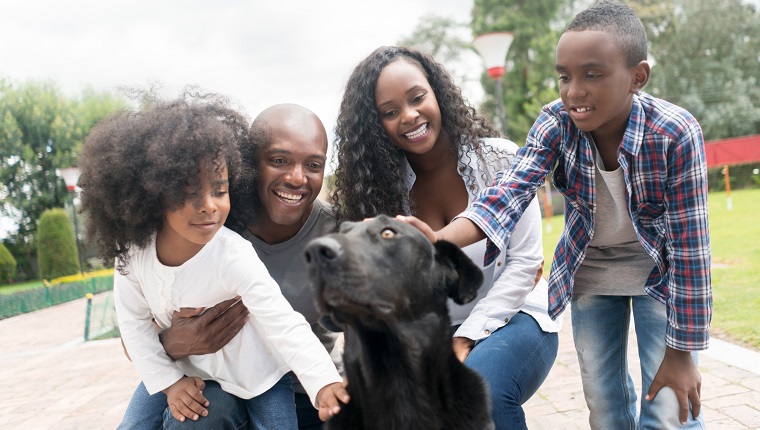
(387, 233)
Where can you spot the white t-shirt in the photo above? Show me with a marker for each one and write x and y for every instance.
(275, 340)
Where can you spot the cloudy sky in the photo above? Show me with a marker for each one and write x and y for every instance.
(257, 52)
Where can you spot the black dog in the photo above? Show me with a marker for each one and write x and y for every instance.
(386, 285)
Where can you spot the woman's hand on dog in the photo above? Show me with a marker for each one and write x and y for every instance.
(462, 347)
(329, 399)
(461, 232)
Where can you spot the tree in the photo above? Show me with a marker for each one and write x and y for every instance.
(706, 60)
(41, 130)
(7, 265)
(57, 253)
(530, 79)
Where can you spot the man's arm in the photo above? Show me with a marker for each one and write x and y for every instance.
(195, 332)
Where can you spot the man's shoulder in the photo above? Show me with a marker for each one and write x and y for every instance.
(326, 222)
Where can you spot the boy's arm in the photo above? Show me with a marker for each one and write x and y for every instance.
(689, 302)
(185, 399)
(687, 242)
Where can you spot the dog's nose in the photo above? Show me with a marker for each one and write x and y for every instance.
(323, 249)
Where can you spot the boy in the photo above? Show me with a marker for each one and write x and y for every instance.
(632, 170)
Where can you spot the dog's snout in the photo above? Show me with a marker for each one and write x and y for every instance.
(324, 249)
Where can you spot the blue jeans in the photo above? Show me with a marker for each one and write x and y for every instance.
(146, 412)
(600, 330)
(514, 362)
(274, 409)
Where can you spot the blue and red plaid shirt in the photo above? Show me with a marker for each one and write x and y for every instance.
(663, 160)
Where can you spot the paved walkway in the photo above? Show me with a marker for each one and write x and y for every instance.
(54, 380)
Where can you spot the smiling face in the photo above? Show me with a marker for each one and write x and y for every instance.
(596, 85)
(407, 107)
(188, 228)
(291, 171)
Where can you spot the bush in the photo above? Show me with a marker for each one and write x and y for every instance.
(7, 265)
(741, 176)
(57, 252)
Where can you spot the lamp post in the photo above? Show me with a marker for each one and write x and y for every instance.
(493, 48)
(70, 175)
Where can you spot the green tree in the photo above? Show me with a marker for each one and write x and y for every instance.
(41, 130)
(57, 253)
(530, 80)
(7, 265)
(706, 60)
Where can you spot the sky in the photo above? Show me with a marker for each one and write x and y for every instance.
(255, 52)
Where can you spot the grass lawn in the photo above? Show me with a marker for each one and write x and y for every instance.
(21, 286)
(735, 243)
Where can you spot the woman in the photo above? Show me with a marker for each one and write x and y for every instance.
(408, 143)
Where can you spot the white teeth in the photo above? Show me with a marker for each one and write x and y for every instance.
(293, 197)
(582, 109)
(417, 133)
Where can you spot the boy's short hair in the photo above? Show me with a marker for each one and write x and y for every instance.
(621, 22)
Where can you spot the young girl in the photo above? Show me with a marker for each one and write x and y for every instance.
(408, 143)
(156, 191)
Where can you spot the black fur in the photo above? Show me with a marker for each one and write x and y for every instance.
(387, 286)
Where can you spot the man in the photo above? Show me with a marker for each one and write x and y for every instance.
(275, 207)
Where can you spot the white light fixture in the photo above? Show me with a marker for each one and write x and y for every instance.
(70, 175)
(493, 48)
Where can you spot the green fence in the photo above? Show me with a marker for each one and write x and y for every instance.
(39, 298)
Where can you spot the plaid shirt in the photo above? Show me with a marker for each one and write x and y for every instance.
(663, 160)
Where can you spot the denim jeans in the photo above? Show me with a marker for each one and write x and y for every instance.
(146, 412)
(600, 330)
(514, 362)
(274, 409)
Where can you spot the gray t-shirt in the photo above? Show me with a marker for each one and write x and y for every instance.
(616, 263)
(287, 266)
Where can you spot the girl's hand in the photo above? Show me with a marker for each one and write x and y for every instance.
(186, 400)
(462, 347)
(329, 399)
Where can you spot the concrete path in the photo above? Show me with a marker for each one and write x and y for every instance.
(54, 380)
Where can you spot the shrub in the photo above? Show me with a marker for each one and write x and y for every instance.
(57, 252)
(7, 265)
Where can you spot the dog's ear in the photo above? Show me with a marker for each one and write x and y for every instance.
(461, 276)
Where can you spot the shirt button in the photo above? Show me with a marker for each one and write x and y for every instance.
(589, 163)
(499, 264)
(487, 331)
(506, 320)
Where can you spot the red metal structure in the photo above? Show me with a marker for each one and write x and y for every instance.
(735, 150)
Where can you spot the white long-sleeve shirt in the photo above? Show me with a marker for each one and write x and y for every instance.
(509, 281)
(275, 339)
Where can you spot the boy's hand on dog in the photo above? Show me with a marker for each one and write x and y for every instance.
(197, 332)
(462, 347)
(186, 400)
(329, 399)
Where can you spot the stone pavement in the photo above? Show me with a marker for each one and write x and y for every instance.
(54, 380)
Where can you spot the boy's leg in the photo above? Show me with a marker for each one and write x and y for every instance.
(225, 411)
(144, 412)
(514, 362)
(600, 331)
(650, 319)
(274, 409)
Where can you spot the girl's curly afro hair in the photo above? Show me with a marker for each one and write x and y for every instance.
(137, 165)
(369, 177)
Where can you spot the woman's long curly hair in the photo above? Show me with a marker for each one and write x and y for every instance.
(369, 177)
(137, 165)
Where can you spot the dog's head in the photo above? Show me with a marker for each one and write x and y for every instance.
(385, 269)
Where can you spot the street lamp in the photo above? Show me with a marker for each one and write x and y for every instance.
(493, 48)
(70, 175)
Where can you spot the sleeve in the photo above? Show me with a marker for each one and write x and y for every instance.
(155, 367)
(498, 208)
(687, 243)
(524, 256)
(287, 330)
